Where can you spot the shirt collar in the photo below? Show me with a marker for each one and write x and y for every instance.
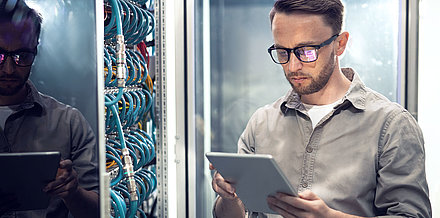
(33, 100)
(356, 94)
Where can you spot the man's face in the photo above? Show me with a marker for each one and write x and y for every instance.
(295, 30)
(15, 38)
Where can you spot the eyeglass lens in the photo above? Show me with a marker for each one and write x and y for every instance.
(280, 55)
(305, 54)
(20, 58)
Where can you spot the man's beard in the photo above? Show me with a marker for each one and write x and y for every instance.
(12, 89)
(316, 84)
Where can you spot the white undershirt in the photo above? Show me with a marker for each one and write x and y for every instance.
(317, 112)
(5, 111)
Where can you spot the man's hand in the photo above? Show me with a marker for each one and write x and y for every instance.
(225, 189)
(308, 204)
(80, 202)
(228, 204)
(65, 184)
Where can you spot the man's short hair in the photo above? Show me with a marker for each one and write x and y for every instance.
(16, 11)
(332, 10)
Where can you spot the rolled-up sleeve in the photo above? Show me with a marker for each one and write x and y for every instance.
(246, 142)
(402, 189)
(83, 153)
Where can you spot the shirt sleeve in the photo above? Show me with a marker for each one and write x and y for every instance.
(246, 145)
(402, 189)
(83, 153)
(246, 142)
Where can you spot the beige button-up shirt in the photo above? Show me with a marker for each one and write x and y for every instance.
(366, 157)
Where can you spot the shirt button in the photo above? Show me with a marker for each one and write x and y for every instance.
(304, 185)
(309, 149)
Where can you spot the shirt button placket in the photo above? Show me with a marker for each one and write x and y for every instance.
(304, 184)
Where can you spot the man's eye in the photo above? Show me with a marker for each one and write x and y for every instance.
(282, 52)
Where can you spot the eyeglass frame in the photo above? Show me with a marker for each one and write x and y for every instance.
(14, 53)
(292, 50)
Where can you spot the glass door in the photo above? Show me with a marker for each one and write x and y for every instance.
(234, 75)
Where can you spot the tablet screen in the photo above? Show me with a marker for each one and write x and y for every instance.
(24, 175)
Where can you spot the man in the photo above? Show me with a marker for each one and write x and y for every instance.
(31, 121)
(348, 150)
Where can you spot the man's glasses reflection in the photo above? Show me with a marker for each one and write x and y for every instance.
(31, 121)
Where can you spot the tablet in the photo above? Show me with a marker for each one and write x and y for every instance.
(25, 175)
(255, 177)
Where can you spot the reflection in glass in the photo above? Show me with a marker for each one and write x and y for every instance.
(65, 69)
(65, 66)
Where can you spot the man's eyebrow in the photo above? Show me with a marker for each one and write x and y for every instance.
(24, 49)
(18, 50)
(278, 46)
(308, 43)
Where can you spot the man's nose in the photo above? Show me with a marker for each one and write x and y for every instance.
(8, 65)
(294, 63)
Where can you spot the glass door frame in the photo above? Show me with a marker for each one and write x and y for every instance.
(185, 73)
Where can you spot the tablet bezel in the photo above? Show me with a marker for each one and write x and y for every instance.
(27, 174)
(255, 177)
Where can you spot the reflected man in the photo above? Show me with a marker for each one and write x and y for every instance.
(347, 149)
(31, 121)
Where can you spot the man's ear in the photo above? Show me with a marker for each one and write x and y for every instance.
(341, 43)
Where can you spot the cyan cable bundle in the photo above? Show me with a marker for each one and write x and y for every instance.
(136, 67)
(138, 143)
(146, 183)
(137, 22)
(129, 97)
(132, 108)
(118, 204)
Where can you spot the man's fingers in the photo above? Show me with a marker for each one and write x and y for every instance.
(52, 185)
(307, 202)
(59, 180)
(64, 177)
(63, 174)
(225, 194)
(66, 164)
(283, 208)
(68, 187)
(297, 202)
(225, 185)
(66, 181)
(222, 187)
(275, 205)
(65, 187)
(308, 195)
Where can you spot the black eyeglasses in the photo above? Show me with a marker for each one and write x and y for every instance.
(21, 58)
(306, 53)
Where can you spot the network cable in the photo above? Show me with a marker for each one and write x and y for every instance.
(129, 96)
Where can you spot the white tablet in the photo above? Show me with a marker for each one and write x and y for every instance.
(255, 177)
